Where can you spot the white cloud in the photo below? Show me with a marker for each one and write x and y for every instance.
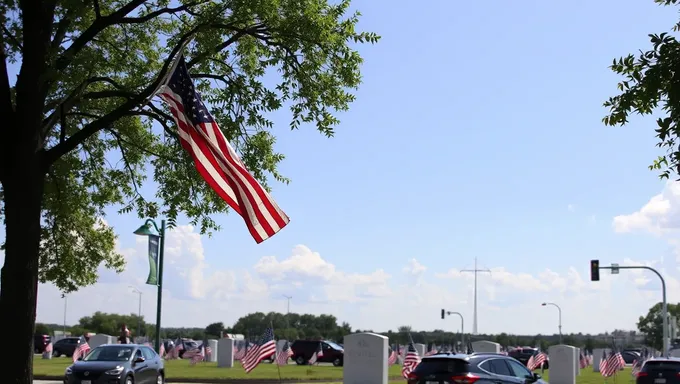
(660, 215)
(409, 293)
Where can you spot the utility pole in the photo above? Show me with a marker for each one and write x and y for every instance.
(63, 296)
(288, 306)
(139, 314)
(474, 316)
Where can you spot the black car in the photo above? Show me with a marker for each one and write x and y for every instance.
(659, 371)
(304, 349)
(477, 368)
(524, 354)
(117, 364)
(65, 346)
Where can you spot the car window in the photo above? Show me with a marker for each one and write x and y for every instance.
(109, 353)
(518, 370)
(661, 365)
(138, 354)
(148, 353)
(333, 345)
(499, 367)
(430, 366)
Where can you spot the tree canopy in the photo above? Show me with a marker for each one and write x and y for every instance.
(81, 132)
(651, 84)
(651, 324)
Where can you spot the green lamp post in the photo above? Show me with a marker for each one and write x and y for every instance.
(151, 230)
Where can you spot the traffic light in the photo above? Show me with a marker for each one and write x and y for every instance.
(594, 270)
(443, 314)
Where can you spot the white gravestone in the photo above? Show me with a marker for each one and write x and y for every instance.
(486, 346)
(597, 357)
(365, 359)
(225, 353)
(577, 361)
(562, 364)
(48, 354)
(101, 339)
(212, 343)
(420, 348)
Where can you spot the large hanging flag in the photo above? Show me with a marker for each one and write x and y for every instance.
(215, 159)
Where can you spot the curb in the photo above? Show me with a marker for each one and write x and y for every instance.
(226, 380)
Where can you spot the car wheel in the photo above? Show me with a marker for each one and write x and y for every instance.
(337, 363)
(300, 360)
(129, 380)
(159, 379)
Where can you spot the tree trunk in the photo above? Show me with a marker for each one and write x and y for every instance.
(23, 189)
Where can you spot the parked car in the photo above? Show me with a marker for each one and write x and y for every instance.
(659, 371)
(478, 368)
(304, 349)
(524, 354)
(65, 346)
(117, 364)
(629, 356)
(40, 342)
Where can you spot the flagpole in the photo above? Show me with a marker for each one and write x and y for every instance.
(278, 368)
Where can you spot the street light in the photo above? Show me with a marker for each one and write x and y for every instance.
(139, 314)
(148, 230)
(462, 325)
(559, 310)
(63, 296)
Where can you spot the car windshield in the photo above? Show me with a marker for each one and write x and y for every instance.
(334, 346)
(109, 353)
(662, 365)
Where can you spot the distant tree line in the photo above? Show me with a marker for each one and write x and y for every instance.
(293, 326)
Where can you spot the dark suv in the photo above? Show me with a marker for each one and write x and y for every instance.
(524, 354)
(65, 346)
(659, 371)
(477, 368)
(304, 349)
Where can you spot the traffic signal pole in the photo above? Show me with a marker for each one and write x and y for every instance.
(594, 264)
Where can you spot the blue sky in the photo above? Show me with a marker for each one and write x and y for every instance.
(476, 133)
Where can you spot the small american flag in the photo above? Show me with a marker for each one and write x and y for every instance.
(612, 364)
(81, 351)
(265, 347)
(392, 359)
(198, 355)
(48, 348)
(637, 366)
(583, 362)
(316, 356)
(241, 351)
(536, 361)
(411, 360)
(285, 354)
(215, 159)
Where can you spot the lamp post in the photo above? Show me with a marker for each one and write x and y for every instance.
(63, 296)
(559, 310)
(147, 230)
(462, 325)
(139, 313)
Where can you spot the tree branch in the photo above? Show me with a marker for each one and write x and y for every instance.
(154, 14)
(126, 163)
(90, 129)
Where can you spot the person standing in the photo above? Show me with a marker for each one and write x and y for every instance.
(124, 335)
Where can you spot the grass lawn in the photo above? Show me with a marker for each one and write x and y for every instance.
(180, 369)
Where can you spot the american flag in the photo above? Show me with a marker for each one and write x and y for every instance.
(81, 351)
(48, 348)
(207, 351)
(411, 360)
(285, 354)
(265, 347)
(583, 362)
(637, 366)
(241, 351)
(392, 359)
(432, 350)
(536, 361)
(316, 356)
(612, 364)
(198, 355)
(215, 159)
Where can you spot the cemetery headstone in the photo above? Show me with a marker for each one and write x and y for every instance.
(212, 343)
(225, 353)
(365, 359)
(486, 346)
(101, 339)
(562, 360)
(48, 354)
(420, 348)
(597, 357)
(577, 361)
